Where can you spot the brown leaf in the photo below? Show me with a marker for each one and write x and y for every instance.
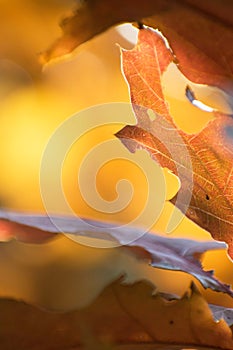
(94, 17)
(120, 315)
(203, 160)
(200, 40)
(187, 320)
(199, 32)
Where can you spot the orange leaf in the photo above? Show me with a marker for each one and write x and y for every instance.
(121, 315)
(202, 160)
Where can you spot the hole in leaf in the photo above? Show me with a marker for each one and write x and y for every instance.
(151, 114)
(192, 98)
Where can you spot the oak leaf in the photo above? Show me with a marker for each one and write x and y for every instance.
(167, 253)
(200, 39)
(122, 315)
(199, 32)
(202, 161)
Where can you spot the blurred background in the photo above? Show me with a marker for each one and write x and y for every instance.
(64, 274)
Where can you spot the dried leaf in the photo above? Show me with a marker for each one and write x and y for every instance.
(200, 40)
(167, 253)
(121, 315)
(187, 320)
(199, 32)
(203, 160)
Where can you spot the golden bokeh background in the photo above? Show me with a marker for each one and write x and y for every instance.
(63, 274)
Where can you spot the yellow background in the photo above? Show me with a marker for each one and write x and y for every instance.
(63, 274)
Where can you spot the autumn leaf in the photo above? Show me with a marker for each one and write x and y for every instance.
(202, 160)
(198, 32)
(167, 253)
(200, 40)
(189, 315)
(120, 315)
(92, 18)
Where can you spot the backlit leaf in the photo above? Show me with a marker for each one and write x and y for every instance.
(203, 160)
